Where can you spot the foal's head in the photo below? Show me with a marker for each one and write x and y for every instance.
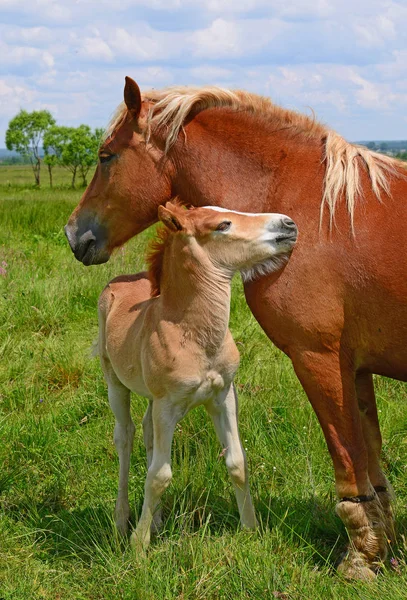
(255, 244)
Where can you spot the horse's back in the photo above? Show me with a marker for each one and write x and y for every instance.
(126, 290)
(120, 305)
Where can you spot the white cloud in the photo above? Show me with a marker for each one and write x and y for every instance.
(226, 39)
(139, 46)
(25, 55)
(8, 95)
(97, 49)
(219, 40)
(211, 73)
(49, 10)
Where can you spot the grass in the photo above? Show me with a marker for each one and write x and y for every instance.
(21, 176)
(59, 467)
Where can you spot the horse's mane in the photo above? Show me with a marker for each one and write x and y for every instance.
(170, 108)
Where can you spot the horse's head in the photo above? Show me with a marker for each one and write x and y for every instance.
(129, 183)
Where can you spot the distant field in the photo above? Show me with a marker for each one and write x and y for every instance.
(58, 479)
(22, 175)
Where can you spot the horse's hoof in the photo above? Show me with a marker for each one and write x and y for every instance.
(354, 566)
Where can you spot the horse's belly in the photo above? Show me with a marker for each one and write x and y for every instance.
(385, 352)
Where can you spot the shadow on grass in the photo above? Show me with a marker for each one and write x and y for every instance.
(89, 534)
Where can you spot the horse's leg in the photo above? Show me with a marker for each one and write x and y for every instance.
(330, 385)
(373, 441)
(165, 416)
(119, 400)
(224, 415)
(148, 435)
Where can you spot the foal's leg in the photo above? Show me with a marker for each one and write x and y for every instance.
(329, 382)
(165, 416)
(373, 441)
(148, 435)
(224, 415)
(119, 400)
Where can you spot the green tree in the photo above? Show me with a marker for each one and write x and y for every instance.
(83, 149)
(55, 142)
(76, 149)
(25, 133)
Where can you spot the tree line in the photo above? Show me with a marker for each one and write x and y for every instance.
(74, 148)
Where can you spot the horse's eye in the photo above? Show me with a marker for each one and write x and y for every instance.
(224, 226)
(104, 158)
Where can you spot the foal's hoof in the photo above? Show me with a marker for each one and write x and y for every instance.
(157, 524)
(139, 543)
(122, 525)
(354, 566)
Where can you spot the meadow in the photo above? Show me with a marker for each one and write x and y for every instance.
(59, 467)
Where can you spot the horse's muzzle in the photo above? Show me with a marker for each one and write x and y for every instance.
(88, 246)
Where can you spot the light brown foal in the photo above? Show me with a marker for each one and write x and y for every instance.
(166, 337)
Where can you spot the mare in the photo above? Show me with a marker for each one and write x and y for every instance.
(338, 309)
(166, 337)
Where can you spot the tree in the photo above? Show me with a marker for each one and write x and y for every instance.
(55, 142)
(25, 133)
(75, 149)
(83, 149)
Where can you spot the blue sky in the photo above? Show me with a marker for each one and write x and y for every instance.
(347, 60)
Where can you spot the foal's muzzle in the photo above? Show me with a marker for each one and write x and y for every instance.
(288, 230)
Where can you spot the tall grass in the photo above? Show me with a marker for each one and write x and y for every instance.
(59, 467)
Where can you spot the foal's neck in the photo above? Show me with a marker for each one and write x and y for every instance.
(195, 293)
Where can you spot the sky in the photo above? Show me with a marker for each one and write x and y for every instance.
(344, 59)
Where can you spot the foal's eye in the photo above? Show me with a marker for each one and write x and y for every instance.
(104, 158)
(224, 226)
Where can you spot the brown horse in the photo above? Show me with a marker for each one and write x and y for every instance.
(339, 308)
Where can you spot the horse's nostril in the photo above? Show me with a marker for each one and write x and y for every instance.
(84, 244)
(287, 222)
(70, 238)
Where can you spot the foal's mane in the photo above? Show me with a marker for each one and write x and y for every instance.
(170, 107)
(156, 249)
(155, 258)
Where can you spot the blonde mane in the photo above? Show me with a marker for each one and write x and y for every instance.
(170, 108)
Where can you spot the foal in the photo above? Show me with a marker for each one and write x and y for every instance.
(166, 337)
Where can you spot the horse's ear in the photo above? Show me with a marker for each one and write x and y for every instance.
(170, 219)
(132, 96)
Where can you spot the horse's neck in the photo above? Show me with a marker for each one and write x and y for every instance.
(195, 294)
(230, 160)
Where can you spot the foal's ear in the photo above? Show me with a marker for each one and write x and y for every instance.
(132, 97)
(169, 219)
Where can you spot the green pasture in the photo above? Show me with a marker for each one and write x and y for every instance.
(59, 468)
(21, 176)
